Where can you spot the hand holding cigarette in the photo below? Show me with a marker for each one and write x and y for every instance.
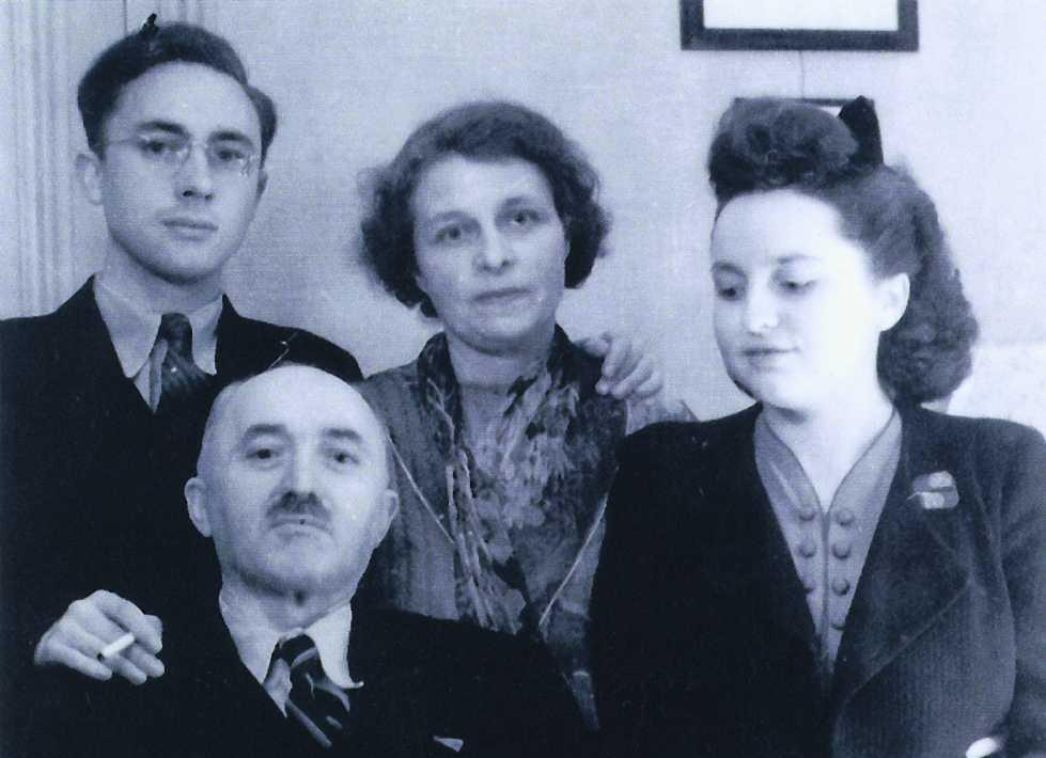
(101, 635)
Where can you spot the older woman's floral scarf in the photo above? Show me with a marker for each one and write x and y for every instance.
(519, 526)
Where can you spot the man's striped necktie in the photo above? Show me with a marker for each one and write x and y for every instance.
(318, 704)
(180, 378)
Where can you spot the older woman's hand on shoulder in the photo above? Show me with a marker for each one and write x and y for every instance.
(629, 372)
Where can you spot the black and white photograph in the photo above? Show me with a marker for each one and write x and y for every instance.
(522, 379)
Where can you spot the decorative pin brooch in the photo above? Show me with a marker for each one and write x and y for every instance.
(935, 492)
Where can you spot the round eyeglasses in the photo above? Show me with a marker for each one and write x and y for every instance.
(171, 151)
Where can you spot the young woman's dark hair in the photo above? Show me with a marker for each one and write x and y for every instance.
(766, 144)
(485, 131)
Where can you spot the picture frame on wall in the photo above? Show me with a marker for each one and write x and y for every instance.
(830, 105)
(887, 25)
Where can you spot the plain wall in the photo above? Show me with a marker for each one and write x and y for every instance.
(352, 79)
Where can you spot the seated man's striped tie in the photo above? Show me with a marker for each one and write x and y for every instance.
(318, 704)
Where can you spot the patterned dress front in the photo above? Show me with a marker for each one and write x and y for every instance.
(505, 532)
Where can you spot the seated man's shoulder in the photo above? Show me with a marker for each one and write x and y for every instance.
(501, 693)
(409, 637)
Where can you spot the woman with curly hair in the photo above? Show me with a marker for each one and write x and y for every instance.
(502, 428)
(835, 571)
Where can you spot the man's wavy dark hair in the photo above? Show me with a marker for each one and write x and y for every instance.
(485, 131)
(766, 144)
(126, 60)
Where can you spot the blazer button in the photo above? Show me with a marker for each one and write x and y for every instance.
(940, 480)
(840, 585)
(841, 550)
(844, 517)
(807, 513)
(808, 548)
(838, 622)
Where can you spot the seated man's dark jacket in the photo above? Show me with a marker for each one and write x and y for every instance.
(91, 479)
(422, 678)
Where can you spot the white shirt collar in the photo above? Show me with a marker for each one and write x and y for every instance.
(255, 638)
(133, 328)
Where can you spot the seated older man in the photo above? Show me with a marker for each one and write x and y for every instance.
(292, 487)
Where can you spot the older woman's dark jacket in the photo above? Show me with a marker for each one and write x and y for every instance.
(703, 643)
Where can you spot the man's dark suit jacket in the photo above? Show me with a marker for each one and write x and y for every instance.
(704, 644)
(422, 678)
(91, 480)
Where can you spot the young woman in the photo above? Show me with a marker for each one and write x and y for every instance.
(834, 571)
(504, 434)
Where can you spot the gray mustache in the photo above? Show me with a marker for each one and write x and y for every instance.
(305, 504)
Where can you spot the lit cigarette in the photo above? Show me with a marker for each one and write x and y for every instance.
(116, 647)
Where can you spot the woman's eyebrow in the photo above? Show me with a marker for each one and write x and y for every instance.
(722, 266)
(441, 217)
(794, 258)
(520, 200)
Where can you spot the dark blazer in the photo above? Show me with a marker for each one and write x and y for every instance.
(91, 480)
(422, 679)
(703, 643)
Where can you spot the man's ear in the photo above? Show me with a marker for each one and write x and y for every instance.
(390, 504)
(894, 292)
(195, 499)
(89, 172)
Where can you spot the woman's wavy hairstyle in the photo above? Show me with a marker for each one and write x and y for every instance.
(766, 144)
(486, 131)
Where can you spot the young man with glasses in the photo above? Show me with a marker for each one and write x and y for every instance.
(103, 401)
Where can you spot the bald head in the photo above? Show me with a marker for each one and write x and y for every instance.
(292, 481)
(279, 386)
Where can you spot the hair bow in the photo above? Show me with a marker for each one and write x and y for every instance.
(859, 117)
(149, 28)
